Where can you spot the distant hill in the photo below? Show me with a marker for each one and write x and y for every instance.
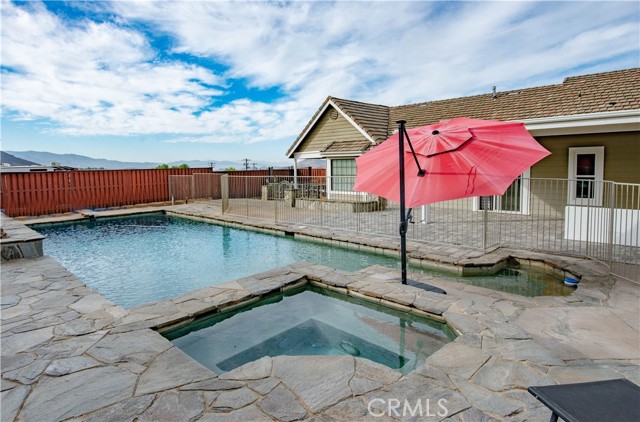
(84, 162)
(12, 160)
(78, 161)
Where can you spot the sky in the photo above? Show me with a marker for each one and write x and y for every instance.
(214, 80)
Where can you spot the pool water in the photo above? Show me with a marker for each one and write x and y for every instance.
(528, 282)
(312, 321)
(139, 259)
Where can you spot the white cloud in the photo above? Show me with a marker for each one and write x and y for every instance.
(107, 78)
(96, 78)
(394, 52)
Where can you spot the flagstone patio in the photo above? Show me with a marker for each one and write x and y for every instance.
(70, 354)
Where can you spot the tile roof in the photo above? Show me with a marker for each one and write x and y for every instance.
(611, 91)
(348, 146)
(372, 118)
(601, 92)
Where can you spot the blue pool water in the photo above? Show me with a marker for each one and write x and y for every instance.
(140, 259)
(311, 321)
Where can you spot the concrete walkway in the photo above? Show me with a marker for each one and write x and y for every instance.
(70, 354)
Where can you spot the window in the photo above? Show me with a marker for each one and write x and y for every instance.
(515, 198)
(343, 174)
(586, 171)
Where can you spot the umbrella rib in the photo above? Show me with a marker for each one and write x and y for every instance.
(421, 171)
(449, 150)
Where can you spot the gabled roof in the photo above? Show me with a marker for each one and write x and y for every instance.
(372, 118)
(616, 91)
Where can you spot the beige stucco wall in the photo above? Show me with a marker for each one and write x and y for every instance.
(621, 164)
(548, 198)
(328, 130)
(621, 155)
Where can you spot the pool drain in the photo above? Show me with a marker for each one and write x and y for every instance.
(349, 348)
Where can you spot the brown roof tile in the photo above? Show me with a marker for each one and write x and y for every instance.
(611, 91)
(372, 118)
(348, 146)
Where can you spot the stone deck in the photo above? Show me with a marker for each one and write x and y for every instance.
(70, 354)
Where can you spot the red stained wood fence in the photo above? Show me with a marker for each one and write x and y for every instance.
(248, 184)
(28, 194)
(242, 184)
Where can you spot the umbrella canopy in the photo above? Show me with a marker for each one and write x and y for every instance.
(452, 159)
(461, 158)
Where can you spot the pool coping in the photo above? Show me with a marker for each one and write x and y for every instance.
(48, 358)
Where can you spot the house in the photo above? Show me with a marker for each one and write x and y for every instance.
(590, 123)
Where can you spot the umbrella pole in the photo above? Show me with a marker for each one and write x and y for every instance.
(403, 216)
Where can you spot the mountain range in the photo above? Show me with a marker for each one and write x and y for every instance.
(84, 162)
(12, 160)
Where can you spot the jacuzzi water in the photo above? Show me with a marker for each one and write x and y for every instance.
(140, 259)
(312, 321)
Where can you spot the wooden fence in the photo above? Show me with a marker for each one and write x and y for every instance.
(243, 184)
(29, 194)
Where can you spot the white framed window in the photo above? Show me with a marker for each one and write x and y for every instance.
(514, 200)
(586, 173)
(343, 174)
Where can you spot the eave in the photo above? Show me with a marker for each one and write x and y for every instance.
(577, 124)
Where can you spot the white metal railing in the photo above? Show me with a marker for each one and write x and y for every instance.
(596, 219)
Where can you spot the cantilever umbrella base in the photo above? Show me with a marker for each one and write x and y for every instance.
(425, 286)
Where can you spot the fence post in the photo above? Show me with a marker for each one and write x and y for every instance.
(171, 193)
(224, 192)
(192, 195)
(359, 205)
(611, 221)
(321, 204)
(246, 194)
(485, 220)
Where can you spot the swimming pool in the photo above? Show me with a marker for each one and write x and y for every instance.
(139, 259)
(311, 321)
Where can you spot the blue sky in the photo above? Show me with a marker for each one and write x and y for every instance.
(214, 80)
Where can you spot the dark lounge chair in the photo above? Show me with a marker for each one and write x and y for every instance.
(612, 400)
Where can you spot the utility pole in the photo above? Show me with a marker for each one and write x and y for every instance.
(246, 163)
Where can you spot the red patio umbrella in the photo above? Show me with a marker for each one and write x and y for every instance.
(453, 159)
